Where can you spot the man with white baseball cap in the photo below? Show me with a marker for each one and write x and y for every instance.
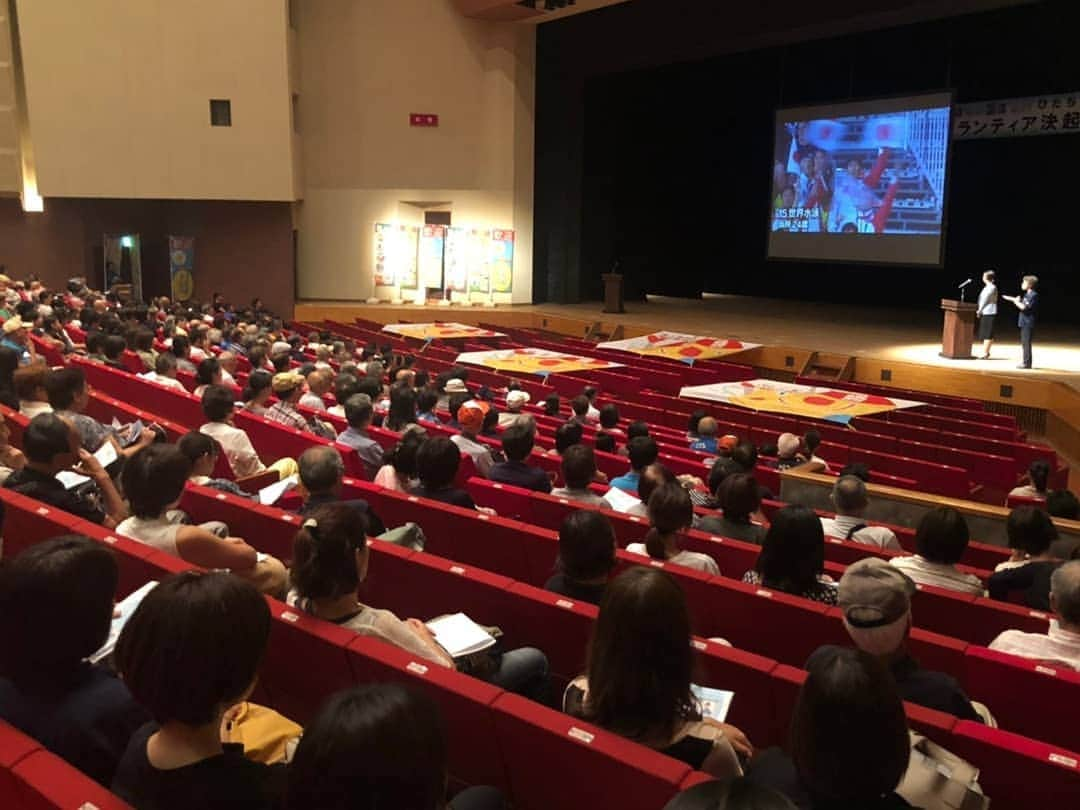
(515, 401)
(875, 599)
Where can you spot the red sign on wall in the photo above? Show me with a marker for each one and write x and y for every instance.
(423, 120)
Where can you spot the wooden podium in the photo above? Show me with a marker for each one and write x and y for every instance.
(959, 332)
(613, 299)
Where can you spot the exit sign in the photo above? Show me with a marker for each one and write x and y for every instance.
(423, 120)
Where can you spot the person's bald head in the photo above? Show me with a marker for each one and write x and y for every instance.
(849, 496)
(321, 470)
(1065, 595)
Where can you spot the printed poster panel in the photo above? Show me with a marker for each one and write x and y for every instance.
(432, 244)
(1018, 117)
(678, 346)
(797, 400)
(407, 256)
(502, 261)
(456, 259)
(478, 261)
(534, 361)
(439, 329)
(182, 267)
(385, 236)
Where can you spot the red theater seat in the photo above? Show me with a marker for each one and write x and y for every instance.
(543, 749)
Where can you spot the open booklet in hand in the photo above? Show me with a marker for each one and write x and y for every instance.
(714, 703)
(459, 635)
(121, 613)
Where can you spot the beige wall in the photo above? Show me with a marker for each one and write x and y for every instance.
(118, 98)
(364, 67)
(9, 141)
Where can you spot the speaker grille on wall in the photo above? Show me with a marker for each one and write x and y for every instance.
(1006, 392)
(886, 374)
(220, 112)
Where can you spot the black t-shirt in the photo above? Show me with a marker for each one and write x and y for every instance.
(571, 589)
(934, 690)
(87, 720)
(520, 474)
(228, 781)
(1032, 578)
(450, 495)
(83, 501)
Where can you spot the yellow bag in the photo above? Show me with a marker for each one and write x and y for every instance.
(267, 736)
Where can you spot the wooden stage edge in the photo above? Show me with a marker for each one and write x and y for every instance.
(1043, 403)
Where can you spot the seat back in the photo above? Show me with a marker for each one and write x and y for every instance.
(541, 746)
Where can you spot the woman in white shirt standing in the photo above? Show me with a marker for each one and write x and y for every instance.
(987, 312)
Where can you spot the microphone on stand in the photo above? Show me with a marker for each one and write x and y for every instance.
(962, 286)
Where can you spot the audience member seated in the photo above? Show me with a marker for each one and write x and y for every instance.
(345, 385)
(849, 738)
(358, 413)
(330, 560)
(56, 605)
(437, 463)
(453, 385)
(426, 402)
(69, 396)
(579, 407)
(30, 389)
(114, 351)
(95, 346)
(551, 405)
(470, 417)
(51, 445)
(208, 373)
(940, 540)
(402, 412)
(1027, 572)
(189, 654)
(578, 471)
(1064, 504)
(788, 455)
(739, 499)
(811, 442)
(851, 501)
(671, 512)
(1060, 645)
(164, 373)
(202, 453)
(1038, 476)
(9, 361)
(288, 387)
(218, 408)
(153, 482)
(590, 392)
(515, 405)
(745, 456)
(876, 602)
(518, 441)
(11, 457)
(792, 557)
(706, 442)
(732, 794)
(256, 394)
(181, 350)
(642, 451)
(399, 462)
(377, 746)
(319, 382)
(322, 474)
(605, 443)
(609, 420)
(586, 557)
(567, 435)
(228, 363)
(17, 338)
(639, 676)
(652, 478)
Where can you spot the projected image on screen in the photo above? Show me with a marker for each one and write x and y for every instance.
(861, 182)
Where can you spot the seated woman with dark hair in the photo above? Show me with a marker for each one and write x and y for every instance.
(154, 481)
(56, 604)
(1038, 479)
(740, 498)
(639, 676)
(670, 512)
(792, 557)
(1031, 535)
(399, 462)
(375, 747)
(849, 737)
(330, 560)
(203, 452)
(208, 373)
(437, 462)
(586, 557)
(190, 652)
(940, 540)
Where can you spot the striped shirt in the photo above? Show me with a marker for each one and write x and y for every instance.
(939, 575)
(285, 414)
(1057, 645)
